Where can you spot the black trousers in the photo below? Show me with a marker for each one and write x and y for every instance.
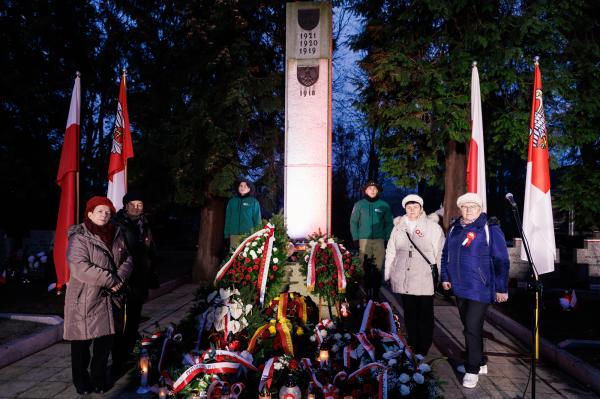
(418, 317)
(80, 361)
(125, 340)
(472, 315)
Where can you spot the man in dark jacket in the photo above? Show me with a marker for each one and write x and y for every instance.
(371, 224)
(140, 244)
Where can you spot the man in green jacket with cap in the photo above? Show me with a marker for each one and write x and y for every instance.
(371, 224)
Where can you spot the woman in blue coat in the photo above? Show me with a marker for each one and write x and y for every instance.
(475, 266)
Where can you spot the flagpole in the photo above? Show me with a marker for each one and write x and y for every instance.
(77, 74)
(124, 77)
(536, 62)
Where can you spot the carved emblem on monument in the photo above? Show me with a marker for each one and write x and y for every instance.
(308, 19)
(307, 75)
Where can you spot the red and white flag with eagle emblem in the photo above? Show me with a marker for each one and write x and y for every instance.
(121, 151)
(538, 224)
(476, 161)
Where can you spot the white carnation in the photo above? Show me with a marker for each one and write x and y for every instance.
(306, 258)
(31, 259)
(323, 246)
(275, 249)
(277, 366)
(323, 333)
(275, 260)
(259, 250)
(338, 336)
(312, 338)
(404, 378)
(419, 357)
(424, 368)
(392, 362)
(418, 377)
(335, 348)
(330, 241)
(347, 336)
(404, 390)
(254, 243)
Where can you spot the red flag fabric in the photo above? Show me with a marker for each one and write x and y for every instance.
(67, 180)
(538, 222)
(476, 161)
(121, 151)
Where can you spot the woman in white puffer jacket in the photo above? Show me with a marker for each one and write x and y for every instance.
(410, 274)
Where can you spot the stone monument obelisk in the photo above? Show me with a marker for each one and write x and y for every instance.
(307, 183)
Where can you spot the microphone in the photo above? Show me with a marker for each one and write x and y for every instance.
(509, 197)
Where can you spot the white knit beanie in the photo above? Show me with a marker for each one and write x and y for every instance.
(469, 197)
(412, 198)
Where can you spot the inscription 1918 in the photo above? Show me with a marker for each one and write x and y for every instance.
(308, 43)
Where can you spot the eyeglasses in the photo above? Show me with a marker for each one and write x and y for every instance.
(469, 208)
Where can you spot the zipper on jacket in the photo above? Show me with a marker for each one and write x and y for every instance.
(239, 226)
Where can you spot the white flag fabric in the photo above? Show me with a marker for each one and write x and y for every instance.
(476, 161)
(538, 222)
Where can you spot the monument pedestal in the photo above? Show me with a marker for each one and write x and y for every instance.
(297, 283)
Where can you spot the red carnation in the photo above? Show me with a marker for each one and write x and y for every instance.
(247, 260)
(274, 268)
(248, 277)
(352, 269)
(249, 269)
(346, 266)
(255, 267)
(271, 277)
(256, 261)
(293, 364)
(321, 285)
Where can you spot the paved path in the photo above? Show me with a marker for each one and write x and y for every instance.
(508, 362)
(47, 374)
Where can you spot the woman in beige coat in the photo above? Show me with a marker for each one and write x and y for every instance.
(99, 264)
(410, 274)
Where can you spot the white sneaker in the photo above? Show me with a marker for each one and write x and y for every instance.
(482, 370)
(470, 380)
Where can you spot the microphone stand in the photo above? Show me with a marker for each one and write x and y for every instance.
(535, 286)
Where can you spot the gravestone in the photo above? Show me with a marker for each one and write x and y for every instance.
(589, 255)
(307, 186)
(519, 269)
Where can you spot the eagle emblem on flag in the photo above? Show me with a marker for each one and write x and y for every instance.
(117, 143)
(540, 139)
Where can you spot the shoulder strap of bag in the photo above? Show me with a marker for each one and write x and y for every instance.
(417, 248)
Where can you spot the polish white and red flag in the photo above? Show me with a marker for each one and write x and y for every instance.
(476, 160)
(538, 223)
(66, 178)
(121, 150)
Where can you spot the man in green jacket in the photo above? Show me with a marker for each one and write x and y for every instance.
(371, 224)
(242, 214)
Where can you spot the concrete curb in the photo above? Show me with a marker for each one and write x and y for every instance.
(570, 364)
(22, 347)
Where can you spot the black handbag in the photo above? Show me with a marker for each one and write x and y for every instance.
(435, 275)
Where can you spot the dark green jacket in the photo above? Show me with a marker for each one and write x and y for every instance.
(371, 220)
(242, 215)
